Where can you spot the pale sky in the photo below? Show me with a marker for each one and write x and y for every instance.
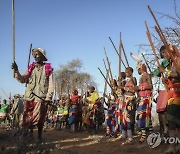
(71, 29)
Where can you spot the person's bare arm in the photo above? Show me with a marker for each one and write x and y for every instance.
(176, 74)
(22, 78)
(50, 92)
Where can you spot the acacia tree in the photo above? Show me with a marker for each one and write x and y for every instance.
(69, 77)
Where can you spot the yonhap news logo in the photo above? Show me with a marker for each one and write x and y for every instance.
(154, 140)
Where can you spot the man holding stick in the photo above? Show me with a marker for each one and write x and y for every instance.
(39, 79)
(144, 104)
(162, 99)
(128, 107)
(173, 84)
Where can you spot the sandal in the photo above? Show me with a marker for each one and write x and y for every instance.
(127, 142)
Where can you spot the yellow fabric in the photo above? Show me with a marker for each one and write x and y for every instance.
(175, 101)
(94, 96)
(65, 112)
(85, 119)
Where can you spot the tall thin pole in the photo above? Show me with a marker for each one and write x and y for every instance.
(146, 63)
(116, 51)
(4, 93)
(124, 53)
(105, 84)
(106, 69)
(120, 51)
(109, 67)
(13, 35)
(154, 51)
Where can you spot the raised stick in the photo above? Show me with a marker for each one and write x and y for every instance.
(154, 51)
(116, 51)
(13, 36)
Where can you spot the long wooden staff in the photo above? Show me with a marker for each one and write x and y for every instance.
(50, 103)
(109, 67)
(4, 93)
(146, 62)
(107, 71)
(116, 51)
(105, 64)
(124, 52)
(120, 59)
(107, 82)
(105, 78)
(163, 39)
(10, 97)
(29, 57)
(154, 51)
(13, 36)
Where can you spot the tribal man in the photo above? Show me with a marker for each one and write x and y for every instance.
(173, 83)
(39, 91)
(144, 105)
(128, 107)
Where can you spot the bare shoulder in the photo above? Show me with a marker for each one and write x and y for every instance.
(178, 61)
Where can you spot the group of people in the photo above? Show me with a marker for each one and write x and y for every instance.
(128, 104)
(77, 112)
(11, 113)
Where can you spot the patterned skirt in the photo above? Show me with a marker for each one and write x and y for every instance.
(144, 112)
(34, 113)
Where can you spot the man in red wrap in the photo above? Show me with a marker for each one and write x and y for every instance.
(39, 79)
(75, 111)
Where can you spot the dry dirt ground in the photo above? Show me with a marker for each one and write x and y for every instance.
(64, 142)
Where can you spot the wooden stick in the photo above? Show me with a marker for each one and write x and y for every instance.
(13, 36)
(146, 63)
(10, 96)
(116, 51)
(163, 39)
(124, 52)
(29, 58)
(105, 84)
(109, 67)
(120, 59)
(107, 71)
(105, 79)
(154, 51)
(155, 19)
(105, 64)
(4, 93)
(108, 83)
